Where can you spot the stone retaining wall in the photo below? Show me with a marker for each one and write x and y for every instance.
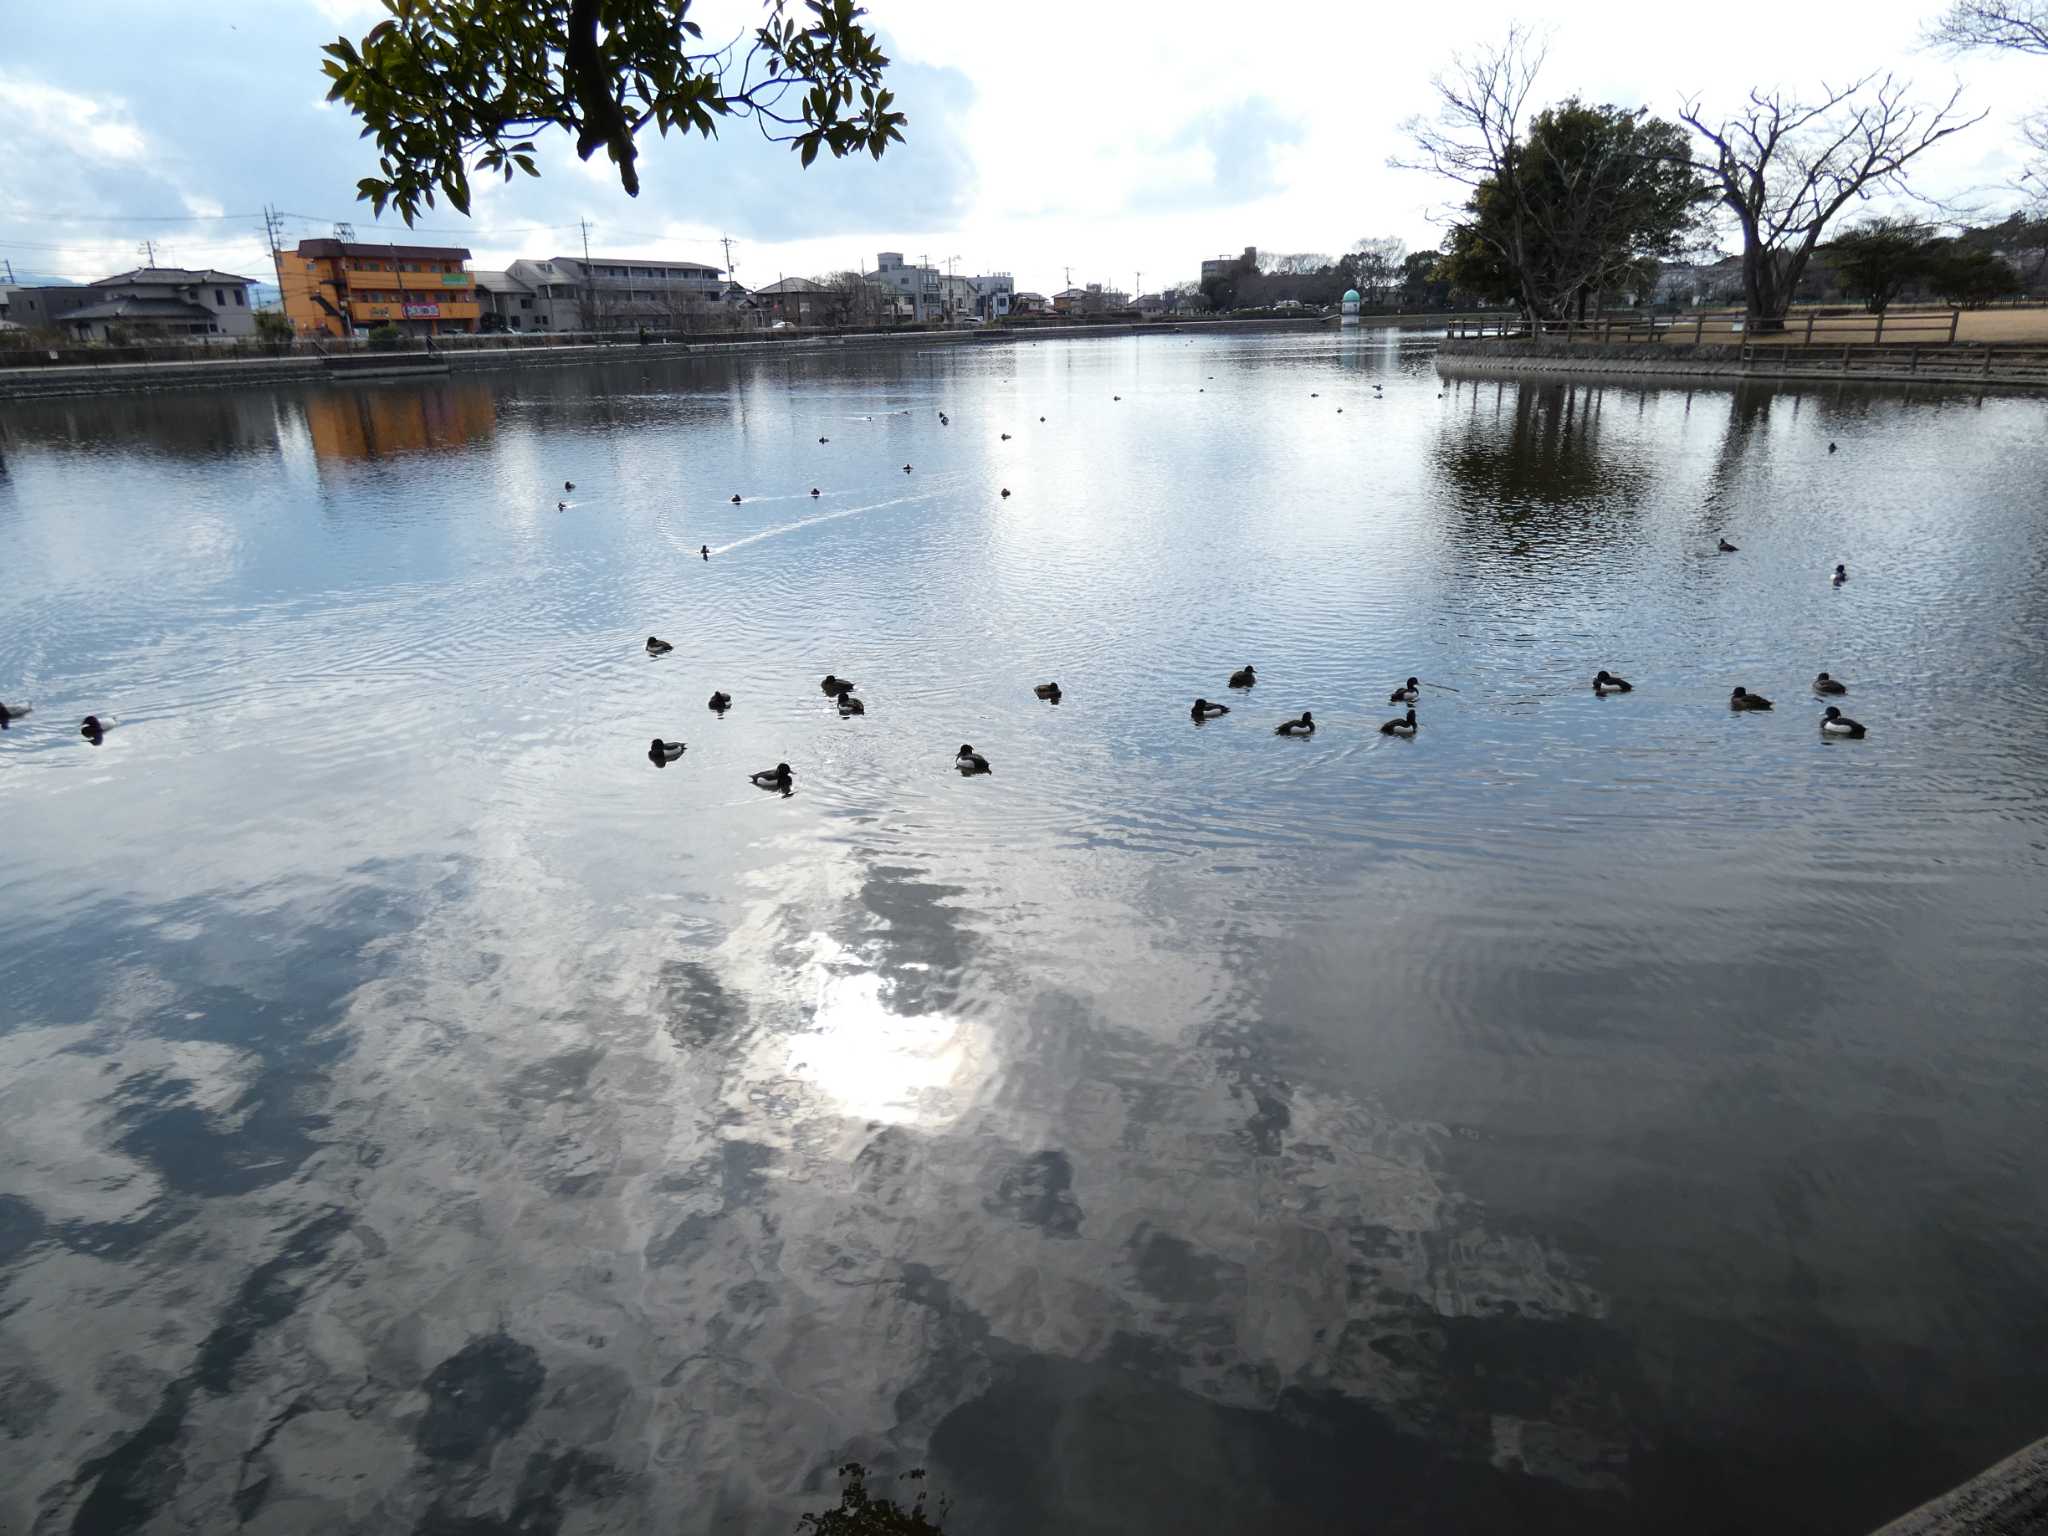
(1494, 358)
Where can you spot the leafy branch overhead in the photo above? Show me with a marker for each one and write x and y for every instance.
(448, 87)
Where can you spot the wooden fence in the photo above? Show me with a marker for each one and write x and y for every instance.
(1723, 328)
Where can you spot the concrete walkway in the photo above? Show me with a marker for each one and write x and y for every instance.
(2010, 1499)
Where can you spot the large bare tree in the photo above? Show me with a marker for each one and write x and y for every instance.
(1784, 167)
(1476, 137)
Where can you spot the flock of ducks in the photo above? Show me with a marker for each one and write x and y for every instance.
(971, 763)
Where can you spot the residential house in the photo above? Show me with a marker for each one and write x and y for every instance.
(991, 295)
(342, 287)
(176, 302)
(504, 303)
(1092, 300)
(1029, 303)
(797, 301)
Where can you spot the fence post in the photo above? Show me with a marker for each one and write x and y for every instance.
(1878, 339)
(1987, 359)
(1699, 327)
(1953, 316)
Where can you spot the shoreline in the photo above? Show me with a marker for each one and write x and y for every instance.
(70, 380)
(1476, 359)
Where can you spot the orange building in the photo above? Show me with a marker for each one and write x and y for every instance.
(344, 287)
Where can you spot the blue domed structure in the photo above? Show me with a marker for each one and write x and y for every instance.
(1350, 295)
(1348, 315)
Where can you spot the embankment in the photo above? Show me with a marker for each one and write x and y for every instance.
(1995, 366)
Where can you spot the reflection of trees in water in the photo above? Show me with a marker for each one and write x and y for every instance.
(204, 424)
(1749, 422)
(1537, 463)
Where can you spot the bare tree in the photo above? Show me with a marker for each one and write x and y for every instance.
(1376, 263)
(1785, 167)
(2019, 26)
(1476, 138)
(1292, 263)
(2008, 26)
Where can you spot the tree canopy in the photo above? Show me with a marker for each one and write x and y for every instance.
(447, 87)
(1874, 261)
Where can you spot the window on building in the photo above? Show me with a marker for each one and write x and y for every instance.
(220, 298)
(242, 297)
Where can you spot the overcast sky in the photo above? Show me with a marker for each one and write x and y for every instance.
(1105, 138)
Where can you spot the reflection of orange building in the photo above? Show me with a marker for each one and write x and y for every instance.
(340, 287)
(374, 421)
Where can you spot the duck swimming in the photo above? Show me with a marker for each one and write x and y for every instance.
(1243, 677)
(1006, 437)
(814, 490)
(1204, 710)
(849, 705)
(835, 687)
(1006, 493)
(705, 551)
(657, 647)
(561, 506)
(662, 753)
(1742, 698)
(568, 485)
(824, 439)
(1841, 574)
(1050, 692)
(1835, 723)
(10, 712)
(721, 702)
(1405, 726)
(772, 778)
(906, 469)
(1407, 693)
(1305, 726)
(93, 729)
(970, 762)
(1607, 682)
(1726, 548)
(1826, 684)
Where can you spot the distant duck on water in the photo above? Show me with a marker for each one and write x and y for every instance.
(1742, 698)
(1006, 493)
(849, 705)
(1841, 574)
(1407, 693)
(1244, 677)
(835, 687)
(1405, 726)
(568, 485)
(93, 728)
(658, 647)
(1607, 682)
(772, 778)
(1726, 548)
(1305, 726)
(1204, 710)
(12, 712)
(1826, 684)
(1050, 692)
(970, 762)
(662, 753)
(720, 702)
(561, 506)
(814, 490)
(705, 551)
(1835, 723)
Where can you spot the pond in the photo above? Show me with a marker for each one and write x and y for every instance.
(1593, 1113)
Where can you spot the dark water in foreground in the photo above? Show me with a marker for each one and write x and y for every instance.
(417, 1112)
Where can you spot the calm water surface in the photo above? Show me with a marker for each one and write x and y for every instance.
(418, 1112)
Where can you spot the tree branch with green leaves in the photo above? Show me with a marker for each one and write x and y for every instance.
(451, 88)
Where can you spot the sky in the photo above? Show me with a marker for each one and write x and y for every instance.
(1118, 143)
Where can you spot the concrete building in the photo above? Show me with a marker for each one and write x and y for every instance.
(1092, 300)
(43, 306)
(504, 303)
(614, 293)
(175, 302)
(344, 287)
(914, 292)
(992, 294)
(1223, 266)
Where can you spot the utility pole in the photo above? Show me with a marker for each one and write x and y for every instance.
(148, 248)
(1137, 287)
(589, 286)
(726, 241)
